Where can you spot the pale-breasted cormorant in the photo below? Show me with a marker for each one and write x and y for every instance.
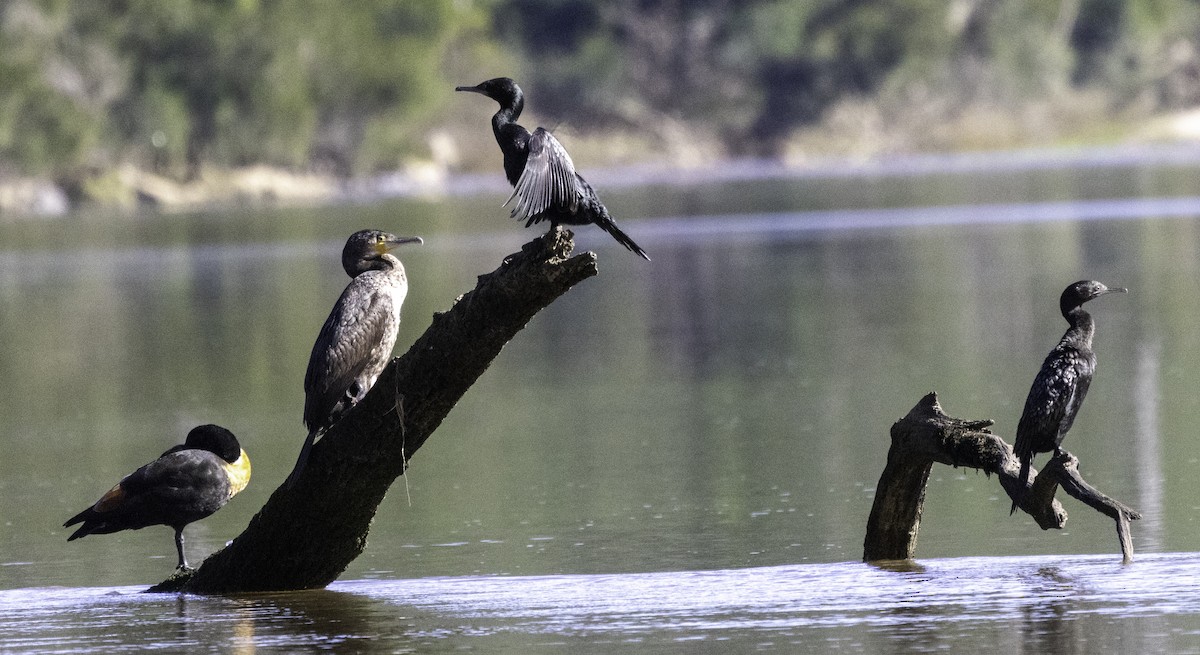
(357, 339)
(184, 485)
(1061, 385)
(545, 184)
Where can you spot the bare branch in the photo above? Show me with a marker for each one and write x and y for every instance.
(926, 435)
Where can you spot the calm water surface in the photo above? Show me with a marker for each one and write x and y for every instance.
(675, 457)
(1028, 604)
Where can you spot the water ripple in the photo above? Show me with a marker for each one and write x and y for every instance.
(827, 595)
(1043, 604)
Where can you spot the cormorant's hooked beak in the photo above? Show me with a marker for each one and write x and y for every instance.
(1104, 292)
(473, 89)
(394, 242)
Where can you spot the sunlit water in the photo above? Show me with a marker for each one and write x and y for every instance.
(1042, 604)
(674, 457)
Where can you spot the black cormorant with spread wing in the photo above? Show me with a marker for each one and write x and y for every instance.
(1061, 385)
(356, 341)
(545, 184)
(184, 485)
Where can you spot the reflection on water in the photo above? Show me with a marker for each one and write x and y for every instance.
(1042, 604)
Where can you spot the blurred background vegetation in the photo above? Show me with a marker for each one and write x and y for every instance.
(177, 87)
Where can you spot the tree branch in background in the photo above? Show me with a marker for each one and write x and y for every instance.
(927, 436)
(304, 537)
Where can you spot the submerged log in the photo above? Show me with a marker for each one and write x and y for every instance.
(306, 535)
(927, 436)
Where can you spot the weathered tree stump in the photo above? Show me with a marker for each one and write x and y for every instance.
(927, 436)
(306, 535)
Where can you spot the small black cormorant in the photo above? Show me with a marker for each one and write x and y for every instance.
(1061, 385)
(184, 485)
(545, 184)
(356, 340)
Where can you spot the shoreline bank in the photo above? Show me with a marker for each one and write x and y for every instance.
(131, 189)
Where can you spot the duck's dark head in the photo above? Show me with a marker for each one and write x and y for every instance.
(1083, 291)
(501, 89)
(215, 439)
(366, 249)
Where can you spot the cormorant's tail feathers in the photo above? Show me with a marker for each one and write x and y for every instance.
(302, 460)
(1024, 479)
(609, 226)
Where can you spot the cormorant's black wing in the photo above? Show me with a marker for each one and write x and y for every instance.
(548, 180)
(1083, 381)
(349, 343)
(1053, 401)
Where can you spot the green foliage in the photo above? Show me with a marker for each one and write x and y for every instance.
(41, 131)
(753, 71)
(390, 75)
(1144, 51)
(175, 85)
(44, 123)
(189, 83)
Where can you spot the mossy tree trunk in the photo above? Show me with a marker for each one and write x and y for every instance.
(305, 536)
(926, 436)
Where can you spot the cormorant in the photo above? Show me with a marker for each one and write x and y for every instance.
(184, 485)
(1061, 385)
(545, 184)
(357, 339)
